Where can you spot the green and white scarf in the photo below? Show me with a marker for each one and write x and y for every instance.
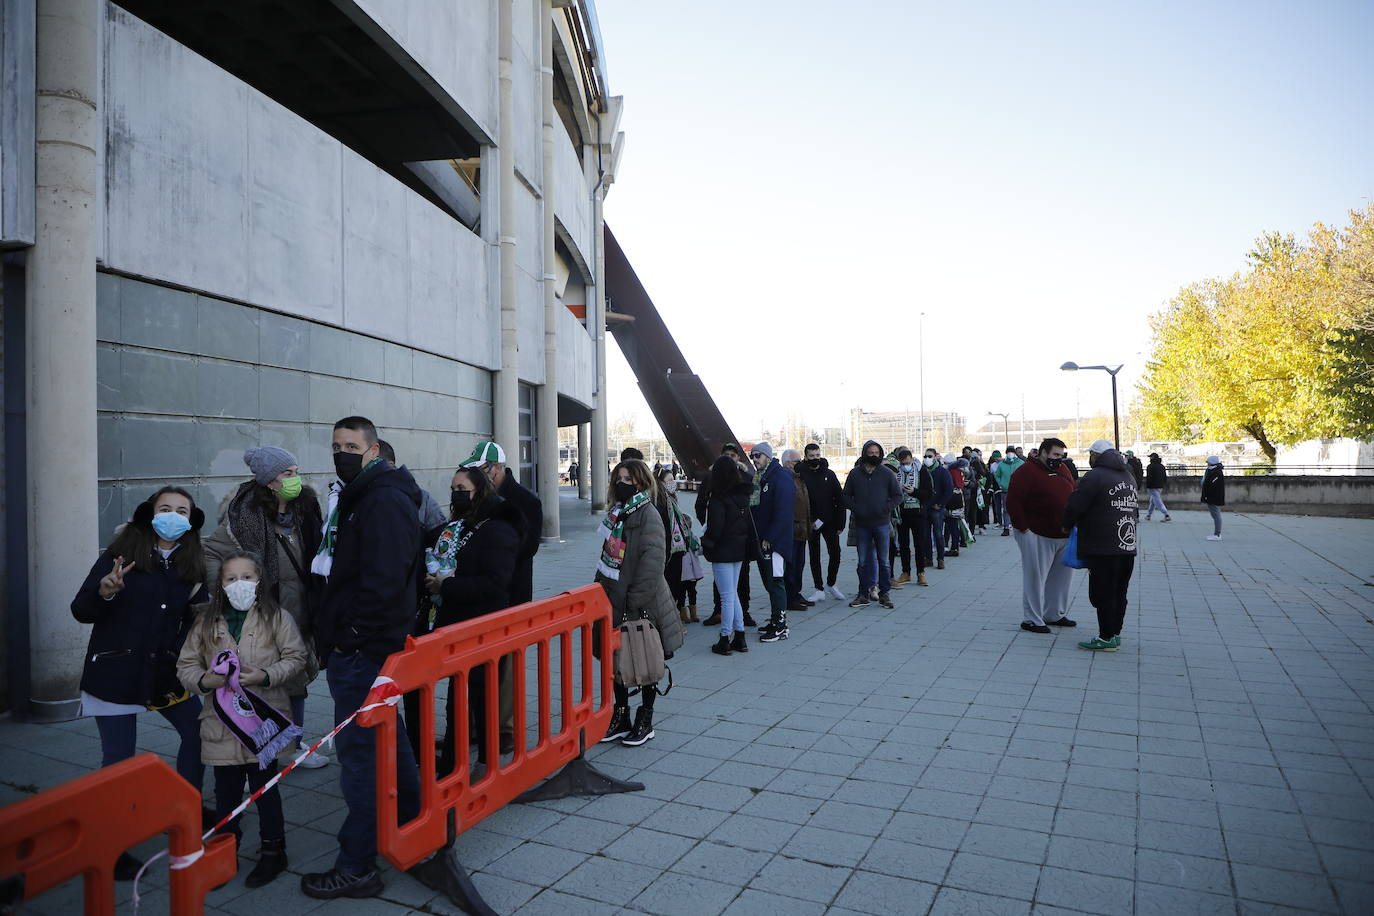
(682, 537)
(613, 530)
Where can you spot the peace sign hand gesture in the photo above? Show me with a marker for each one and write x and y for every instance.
(113, 583)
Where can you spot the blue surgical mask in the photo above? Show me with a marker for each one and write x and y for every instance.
(907, 466)
(170, 525)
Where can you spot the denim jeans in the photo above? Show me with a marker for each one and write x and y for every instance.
(118, 735)
(874, 568)
(727, 585)
(935, 522)
(1216, 518)
(999, 508)
(1157, 502)
(350, 678)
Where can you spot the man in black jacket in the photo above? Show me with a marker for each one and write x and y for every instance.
(372, 547)
(1156, 480)
(827, 520)
(1105, 509)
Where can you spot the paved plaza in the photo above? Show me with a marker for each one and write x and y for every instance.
(934, 758)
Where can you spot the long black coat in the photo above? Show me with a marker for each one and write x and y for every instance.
(729, 536)
(826, 495)
(484, 579)
(532, 510)
(132, 653)
(1214, 486)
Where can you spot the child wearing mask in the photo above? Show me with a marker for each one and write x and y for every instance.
(244, 649)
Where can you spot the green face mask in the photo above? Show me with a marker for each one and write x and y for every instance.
(290, 488)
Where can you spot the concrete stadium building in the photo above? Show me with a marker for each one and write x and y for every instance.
(230, 223)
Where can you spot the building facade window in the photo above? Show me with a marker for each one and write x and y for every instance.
(529, 439)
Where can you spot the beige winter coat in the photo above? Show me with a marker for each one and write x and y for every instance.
(279, 650)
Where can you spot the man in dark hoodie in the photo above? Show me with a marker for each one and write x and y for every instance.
(371, 546)
(1156, 480)
(1105, 509)
(771, 507)
(828, 518)
(872, 492)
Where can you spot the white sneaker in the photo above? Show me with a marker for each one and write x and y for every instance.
(835, 592)
(315, 760)
(1213, 537)
(817, 595)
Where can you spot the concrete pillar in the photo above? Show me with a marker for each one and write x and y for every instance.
(506, 390)
(584, 434)
(547, 414)
(596, 313)
(62, 518)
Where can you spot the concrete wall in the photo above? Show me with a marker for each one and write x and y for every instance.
(571, 196)
(1346, 497)
(187, 382)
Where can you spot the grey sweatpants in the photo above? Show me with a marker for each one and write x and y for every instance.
(1045, 582)
(1157, 502)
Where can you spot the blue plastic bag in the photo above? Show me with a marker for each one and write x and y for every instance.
(1070, 558)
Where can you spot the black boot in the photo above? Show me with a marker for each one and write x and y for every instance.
(620, 724)
(748, 620)
(271, 862)
(738, 644)
(643, 730)
(722, 647)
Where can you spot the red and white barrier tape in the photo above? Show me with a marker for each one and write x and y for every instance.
(384, 687)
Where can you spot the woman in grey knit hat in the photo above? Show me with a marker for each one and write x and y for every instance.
(276, 517)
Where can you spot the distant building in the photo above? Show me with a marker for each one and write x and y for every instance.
(941, 429)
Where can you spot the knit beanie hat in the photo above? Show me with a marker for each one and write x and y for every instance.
(267, 462)
(1213, 459)
(764, 449)
(1100, 446)
(995, 454)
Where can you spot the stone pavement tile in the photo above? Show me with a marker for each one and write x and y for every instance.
(1351, 864)
(759, 903)
(944, 832)
(952, 901)
(1174, 869)
(628, 808)
(1178, 811)
(1020, 814)
(830, 847)
(503, 894)
(1181, 838)
(907, 860)
(778, 806)
(648, 847)
(717, 795)
(954, 780)
(684, 820)
(1161, 900)
(608, 880)
(1342, 832)
(768, 755)
(747, 775)
(877, 794)
(974, 872)
(1355, 896)
(800, 878)
(1091, 798)
(851, 818)
(1078, 890)
(1094, 856)
(557, 903)
(941, 803)
(1035, 791)
(674, 894)
(1028, 768)
(1193, 767)
(1257, 820)
(812, 785)
(582, 834)
(680, 764)
(1006, 843)
(1271, 798)
(902, 772)
(663, 786)
(1040, 750)
(831, 764)
(867, 892)
(1273, 851)
(1289, 888)
(536, 863)
(719, 862)
(757, 833)
(1093, 825)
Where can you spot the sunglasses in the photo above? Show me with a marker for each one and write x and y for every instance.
(755, 455)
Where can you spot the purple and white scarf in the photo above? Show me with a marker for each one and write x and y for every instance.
(250, 718)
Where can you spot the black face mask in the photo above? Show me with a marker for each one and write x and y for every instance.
(624, 492)
(347, 465)
(460, 501)
(1053, 463)
(813, 462)
(872, 460)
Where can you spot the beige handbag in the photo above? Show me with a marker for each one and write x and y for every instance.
(640, 659)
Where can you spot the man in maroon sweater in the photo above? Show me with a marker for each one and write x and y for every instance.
(1036, 496)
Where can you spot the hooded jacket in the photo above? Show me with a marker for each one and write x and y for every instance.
(1137, 470)
(1156, 478)
(871, 494)
(369, 599)
(942, 483)
(729, 533)
(1005, 468)
(1036, 498)
(1105, 508)
(826, 495)
(1214, 486)
(773, 514)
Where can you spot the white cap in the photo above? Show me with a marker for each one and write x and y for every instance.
(950, 458)
(1213, 459)
(1100, 446)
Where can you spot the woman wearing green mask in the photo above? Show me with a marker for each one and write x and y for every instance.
(275, 516)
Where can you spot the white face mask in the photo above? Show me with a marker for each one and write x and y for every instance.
(242, 594)
(928, 462)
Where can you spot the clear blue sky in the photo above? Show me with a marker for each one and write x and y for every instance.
(802, 179)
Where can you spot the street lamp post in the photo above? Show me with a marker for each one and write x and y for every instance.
(1006, 429)
(1116, 421)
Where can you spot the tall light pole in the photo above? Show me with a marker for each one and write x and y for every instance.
(1006, 429)
(1116, 421)
(921, 342)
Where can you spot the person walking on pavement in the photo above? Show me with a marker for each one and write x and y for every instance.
(703, 501)
(801, 528)
(912, 478)
(1214, 493)
(1156, 481)
(942, 489)
(371, 542)
(771, 508)
(728, 543)
(827, 521)
(1038, 492)
(872, 492)
(1105, 509)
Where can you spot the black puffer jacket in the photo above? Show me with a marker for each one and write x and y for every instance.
(1104, 507)
(369, 600)
(729, 535)
(532, 511)
(1214, 486)
(1156, 478)
(825, 493)
(484, 579)
(132, 653)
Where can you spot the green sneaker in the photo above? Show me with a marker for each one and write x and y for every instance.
(1098, 644)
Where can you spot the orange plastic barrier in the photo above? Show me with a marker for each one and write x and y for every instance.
(81, 827)
(451, 653)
